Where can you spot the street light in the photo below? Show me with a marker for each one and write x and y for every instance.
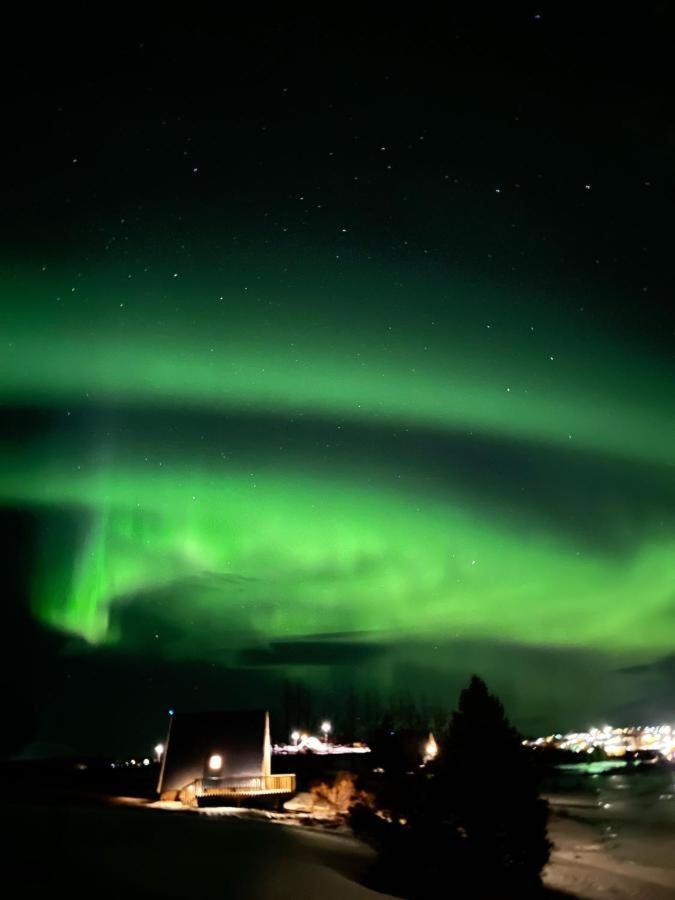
(295, 737)
(326, 727)
(159, 751)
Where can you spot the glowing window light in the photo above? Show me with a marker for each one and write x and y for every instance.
(215, 762)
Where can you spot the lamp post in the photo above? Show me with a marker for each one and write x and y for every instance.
(326, 727)
(295, 737)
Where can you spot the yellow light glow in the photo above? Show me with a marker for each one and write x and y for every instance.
(216, 762)
(430, 748)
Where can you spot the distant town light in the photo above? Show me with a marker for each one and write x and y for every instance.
(615, 741)
(146, 761)
(308, 743)
(215, 762)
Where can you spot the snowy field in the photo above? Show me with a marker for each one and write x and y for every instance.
(132, 850)
(127, 851)
(615, 837)
(585, 866)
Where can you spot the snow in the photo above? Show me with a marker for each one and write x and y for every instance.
(131, 851)
(586, 867)
(137, 849)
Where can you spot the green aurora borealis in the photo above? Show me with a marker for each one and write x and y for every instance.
(296, 538)
(364, 382)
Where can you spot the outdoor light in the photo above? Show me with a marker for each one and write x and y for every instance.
(326, 727)
(215, 762)
(159, 751)
(430, 749)
(295, 736)
(146, 761)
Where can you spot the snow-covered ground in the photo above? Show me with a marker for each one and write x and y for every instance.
(589, 861)
(129, 851)
(134, 849)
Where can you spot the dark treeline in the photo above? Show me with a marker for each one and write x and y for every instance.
(355, 715)
(468, 821)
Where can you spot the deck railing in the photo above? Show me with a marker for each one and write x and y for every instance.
(247, 786)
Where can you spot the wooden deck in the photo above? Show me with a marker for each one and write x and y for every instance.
(234, 789)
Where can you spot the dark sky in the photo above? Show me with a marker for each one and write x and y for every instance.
(336, 352)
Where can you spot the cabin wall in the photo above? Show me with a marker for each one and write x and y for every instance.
(239, 737)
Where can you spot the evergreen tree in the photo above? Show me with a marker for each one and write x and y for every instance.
(489, 790)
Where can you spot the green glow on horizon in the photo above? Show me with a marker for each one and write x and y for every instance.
(259, 551)
(281, 556)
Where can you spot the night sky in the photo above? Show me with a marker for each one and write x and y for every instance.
(336, 351)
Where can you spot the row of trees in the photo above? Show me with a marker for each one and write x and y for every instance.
(356, 715)
(470, 823)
